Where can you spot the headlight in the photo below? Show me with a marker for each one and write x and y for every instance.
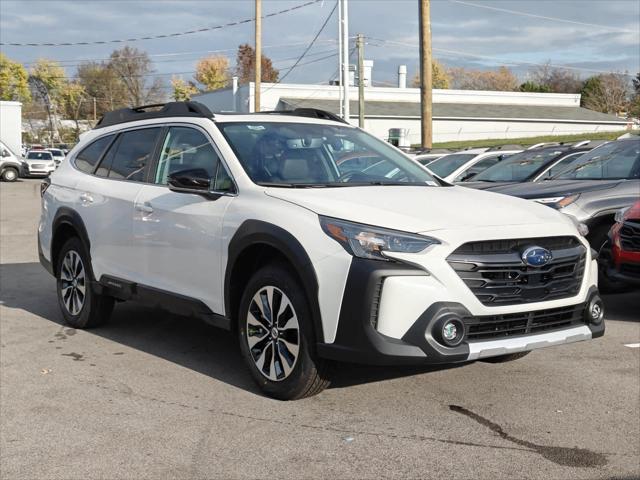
(619, 216)
(365, 241)
(582, 227)
(557, 202)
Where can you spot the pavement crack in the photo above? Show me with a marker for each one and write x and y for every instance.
(570, 457)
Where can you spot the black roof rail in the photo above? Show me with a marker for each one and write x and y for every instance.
(308, 112)
(157, 110)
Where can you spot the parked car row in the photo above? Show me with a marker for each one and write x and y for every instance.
(39, 162)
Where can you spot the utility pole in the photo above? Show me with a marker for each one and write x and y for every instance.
(258, 61)
(344, 9)
(360, 44)
(426, 97)
(340, 61)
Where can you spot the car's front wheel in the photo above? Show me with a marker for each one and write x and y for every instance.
(10, 174)
(276, 336)
(81, 307)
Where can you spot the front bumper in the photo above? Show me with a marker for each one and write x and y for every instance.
(41, 170)
(359, 339)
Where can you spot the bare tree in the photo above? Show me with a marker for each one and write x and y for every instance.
(133, 67)
(501, 79)
(557, 80)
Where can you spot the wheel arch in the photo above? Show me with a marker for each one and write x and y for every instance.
(67, 223)
(257, 243)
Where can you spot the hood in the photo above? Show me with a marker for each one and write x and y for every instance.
(557, 188)
(418, 208)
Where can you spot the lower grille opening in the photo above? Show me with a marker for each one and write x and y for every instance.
(525, 323)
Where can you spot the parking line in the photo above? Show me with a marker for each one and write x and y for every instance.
(632, 345)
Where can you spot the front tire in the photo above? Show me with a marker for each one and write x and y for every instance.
(276, 336)
(81, 307)
(10, 174)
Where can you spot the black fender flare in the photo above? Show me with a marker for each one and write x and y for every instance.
(255, 232)
(68, 216)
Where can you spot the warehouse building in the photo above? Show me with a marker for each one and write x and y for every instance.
(457, 114)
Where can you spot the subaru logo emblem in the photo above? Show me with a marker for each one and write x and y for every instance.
(536, 256)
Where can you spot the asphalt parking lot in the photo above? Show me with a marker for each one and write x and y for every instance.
(152, 395)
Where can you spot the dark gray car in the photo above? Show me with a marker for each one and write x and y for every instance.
(592, 188)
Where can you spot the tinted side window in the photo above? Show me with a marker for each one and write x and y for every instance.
(87, 159)
(189, 149)
(132, 154)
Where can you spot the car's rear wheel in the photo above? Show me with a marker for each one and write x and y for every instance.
(276, 336)
(81, 307)
(10, 174)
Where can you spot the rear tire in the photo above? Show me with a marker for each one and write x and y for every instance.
(279, 351)
(10, 174)
(81, 307)
(510, 357)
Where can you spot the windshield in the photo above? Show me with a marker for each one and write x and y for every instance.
(316, 155)
(519, 167)
(56, 153)
(614, 160)
(446, 165)
(39, 156)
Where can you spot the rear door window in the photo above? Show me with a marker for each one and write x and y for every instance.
(87, 159)
(129, 157)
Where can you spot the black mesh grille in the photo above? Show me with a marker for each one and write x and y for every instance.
(525, 323)
(496, 274)
(630, 236)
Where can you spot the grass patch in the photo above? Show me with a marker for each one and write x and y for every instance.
(528, 140)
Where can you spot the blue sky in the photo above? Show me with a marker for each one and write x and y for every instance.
(589, 35)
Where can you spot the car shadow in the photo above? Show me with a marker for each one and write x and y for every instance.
(623, 307)
(185, 341)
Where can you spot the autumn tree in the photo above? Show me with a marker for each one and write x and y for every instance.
(134, 68)
(245, 66)
(557, 80)
(71, 97)
(182, 91)
(14, 84)
(634, 105)
(501, 79)
(213, 72)
(439, 76)
(606, 93)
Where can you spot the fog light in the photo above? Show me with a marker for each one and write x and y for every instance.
(449, 331)
(594, 312)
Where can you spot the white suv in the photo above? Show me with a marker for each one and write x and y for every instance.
(247, 222)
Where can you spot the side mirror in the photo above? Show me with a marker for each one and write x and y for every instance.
(468, 176)
(5, 153)
(195, 180)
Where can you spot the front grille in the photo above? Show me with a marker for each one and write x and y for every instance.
(630, 270)
(630, 236)
(37, 165)
(496, 274)
(525, 323)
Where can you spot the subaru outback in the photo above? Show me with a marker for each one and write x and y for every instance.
(247, 222)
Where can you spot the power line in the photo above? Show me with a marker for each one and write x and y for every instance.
(78, 61)
(543, 17)
(166, 35)
(501, 61)
(310, 44)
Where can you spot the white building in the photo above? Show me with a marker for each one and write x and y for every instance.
(11, 125)
(457, 114)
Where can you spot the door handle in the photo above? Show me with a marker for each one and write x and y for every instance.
(144, 208)
(86, 198)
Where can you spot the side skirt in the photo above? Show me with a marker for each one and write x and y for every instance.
(172, 302)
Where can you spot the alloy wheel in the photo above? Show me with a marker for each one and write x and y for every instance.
(10, 175)
(72, 282)
(273, 333)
